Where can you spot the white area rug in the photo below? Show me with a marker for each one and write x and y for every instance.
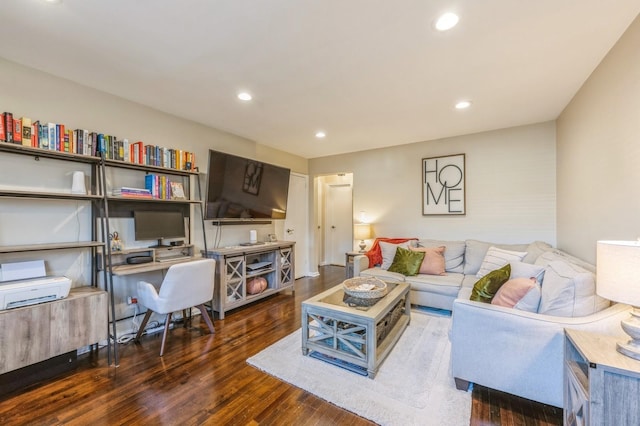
(413, 386)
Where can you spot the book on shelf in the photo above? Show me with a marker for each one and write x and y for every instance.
(17, 131)
(3, 135)
(25, 124)
(177, 191)
(8, 126)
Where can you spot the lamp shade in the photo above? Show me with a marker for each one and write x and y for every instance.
(618, 271)
(362, 231)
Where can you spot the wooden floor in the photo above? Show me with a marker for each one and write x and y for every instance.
(204, 379)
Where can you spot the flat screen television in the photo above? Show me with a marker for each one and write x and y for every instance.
(158, 225)
(240, 189)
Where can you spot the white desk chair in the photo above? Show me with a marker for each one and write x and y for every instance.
(184, 286)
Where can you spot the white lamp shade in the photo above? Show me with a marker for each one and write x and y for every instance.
(362, 231)
(618, 271)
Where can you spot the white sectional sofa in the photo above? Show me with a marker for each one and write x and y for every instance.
(503, 348)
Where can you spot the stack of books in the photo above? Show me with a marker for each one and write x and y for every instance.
(128, 192)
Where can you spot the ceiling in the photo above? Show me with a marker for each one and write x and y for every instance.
(370, 73)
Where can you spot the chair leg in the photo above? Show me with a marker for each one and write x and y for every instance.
(144, 323)
(164, 334)
(184, 318)
(206, 317)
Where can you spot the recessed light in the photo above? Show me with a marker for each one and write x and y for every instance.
(463, 104)
(244, 96)
(447, 21)
(53, 1)
(320, 135)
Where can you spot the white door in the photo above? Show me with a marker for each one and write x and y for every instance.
(338, 223)
(295, 225)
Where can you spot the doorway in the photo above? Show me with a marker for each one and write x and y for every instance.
(335, 210)
(296, 224)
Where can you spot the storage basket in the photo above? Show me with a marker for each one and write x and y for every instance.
(365, 287)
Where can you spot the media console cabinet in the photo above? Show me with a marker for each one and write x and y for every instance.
(237, 265)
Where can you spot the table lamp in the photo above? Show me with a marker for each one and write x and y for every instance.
(362, 231)
(618, 279)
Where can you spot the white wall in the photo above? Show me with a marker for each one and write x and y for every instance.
(27, 92)
(599, 153)
(510, 186)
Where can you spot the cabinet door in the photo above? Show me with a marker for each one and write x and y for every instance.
(576, 411)
(286, 267)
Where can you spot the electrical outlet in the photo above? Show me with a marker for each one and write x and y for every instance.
(131, 300)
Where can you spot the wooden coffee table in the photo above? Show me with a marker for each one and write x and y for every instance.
(355, 337)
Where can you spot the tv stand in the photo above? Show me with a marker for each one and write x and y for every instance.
(236, 266)
(160, 245)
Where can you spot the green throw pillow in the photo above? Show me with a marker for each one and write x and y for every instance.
(406, 262)
(487, 287)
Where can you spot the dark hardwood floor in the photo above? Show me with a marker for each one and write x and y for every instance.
(204, 379)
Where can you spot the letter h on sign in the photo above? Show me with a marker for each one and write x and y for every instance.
(443, 181)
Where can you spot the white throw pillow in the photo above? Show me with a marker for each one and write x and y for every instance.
(388, 251)
(496, 258)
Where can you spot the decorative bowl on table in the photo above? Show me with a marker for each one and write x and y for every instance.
(365, 287)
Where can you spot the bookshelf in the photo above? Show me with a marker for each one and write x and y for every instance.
(41, 332)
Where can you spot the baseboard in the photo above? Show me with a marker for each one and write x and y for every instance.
(35, 373)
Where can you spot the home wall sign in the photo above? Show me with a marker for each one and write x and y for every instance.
(443, 180)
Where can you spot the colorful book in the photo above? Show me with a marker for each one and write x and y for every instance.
(51, 127)
(17, 131)
(25, 125)
(8, 126)
(3, 134)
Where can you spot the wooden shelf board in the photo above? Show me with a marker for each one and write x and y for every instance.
(50, 246)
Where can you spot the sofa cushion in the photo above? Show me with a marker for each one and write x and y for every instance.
(534, 250)
(476, 250)
(497, 258)
(434, 262)
(389, 252)
(554, 254)
(383, 274)
(569, 290)
(406, 262)
(487, 286)
(448, 285)
(527, 270)
(453, 253)
(519, 293)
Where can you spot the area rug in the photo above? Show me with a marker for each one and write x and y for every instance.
(413, 386)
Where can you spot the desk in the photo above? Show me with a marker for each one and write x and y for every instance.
(121, 270)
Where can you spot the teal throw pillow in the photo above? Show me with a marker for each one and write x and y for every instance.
(487, 287)
(407, 262)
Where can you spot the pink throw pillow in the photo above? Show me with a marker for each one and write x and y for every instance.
(433, 263)
(515, 290)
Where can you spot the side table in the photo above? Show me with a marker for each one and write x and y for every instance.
(348, 263)
(600, 384)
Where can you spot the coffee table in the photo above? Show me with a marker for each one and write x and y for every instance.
(358, 338)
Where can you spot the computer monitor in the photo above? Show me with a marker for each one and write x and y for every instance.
(158, 225)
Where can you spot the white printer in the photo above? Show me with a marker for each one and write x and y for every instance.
(25, 283)
(14, 294)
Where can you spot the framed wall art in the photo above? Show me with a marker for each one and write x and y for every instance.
(252, 177)
(443, 182)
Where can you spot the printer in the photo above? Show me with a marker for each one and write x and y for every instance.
(14, 294)
(17, 293)
(26, 283)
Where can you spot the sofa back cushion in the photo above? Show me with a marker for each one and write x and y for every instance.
(453, 253)
(568, 290)
(475, 252)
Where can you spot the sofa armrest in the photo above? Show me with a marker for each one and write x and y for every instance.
(360, 263)
(519, 352)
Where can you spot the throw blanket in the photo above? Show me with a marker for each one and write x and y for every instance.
(375, 254)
